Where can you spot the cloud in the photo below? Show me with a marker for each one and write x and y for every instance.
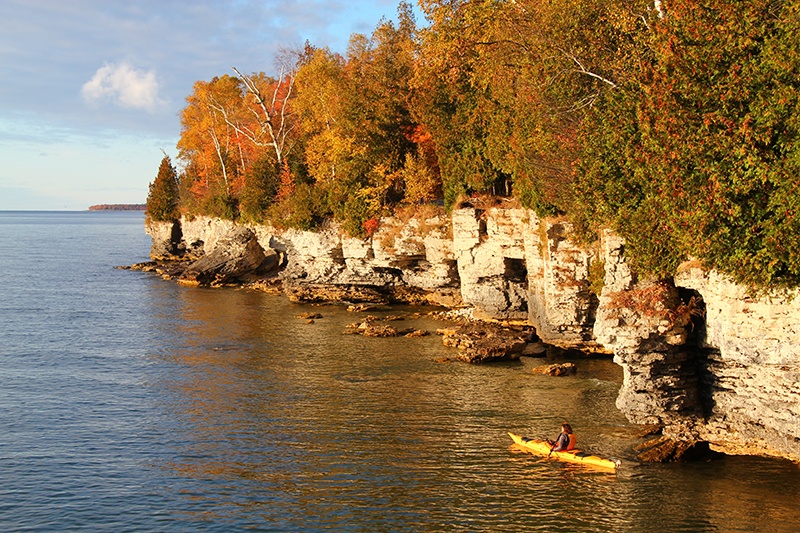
(125, 86)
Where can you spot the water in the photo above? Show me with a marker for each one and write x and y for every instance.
(129, 403)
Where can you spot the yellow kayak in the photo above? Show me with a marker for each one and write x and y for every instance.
(541, 447)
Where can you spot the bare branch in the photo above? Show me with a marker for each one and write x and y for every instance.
(583, 70)
(659, 6)
(278, 133)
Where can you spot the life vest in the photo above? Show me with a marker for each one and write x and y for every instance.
(572, 439)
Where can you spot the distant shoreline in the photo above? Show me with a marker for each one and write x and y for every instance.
(117, 207)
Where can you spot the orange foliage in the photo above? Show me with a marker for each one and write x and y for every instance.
(287, 184)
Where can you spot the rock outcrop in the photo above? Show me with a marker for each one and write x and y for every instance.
(482, 343)
(237, 254)
(557, 369)
(702, 358)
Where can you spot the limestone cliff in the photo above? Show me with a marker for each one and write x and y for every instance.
(701, 357)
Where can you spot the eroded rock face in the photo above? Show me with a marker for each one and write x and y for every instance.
(562, 305)
(705, 360)
(752, 367)
(404, 261)
(490, 253)
(167, 240)
(648, 335)
(236, 254)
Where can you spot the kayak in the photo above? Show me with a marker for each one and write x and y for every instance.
(542, 447)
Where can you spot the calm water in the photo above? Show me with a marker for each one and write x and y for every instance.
(129, 403)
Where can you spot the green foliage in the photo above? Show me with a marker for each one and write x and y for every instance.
(261, 183)
(453, 109)
(163, 196)
(304, 209)
(220, 205)
(597, 275)
(698, 156)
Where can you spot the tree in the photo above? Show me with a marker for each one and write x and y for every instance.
(217, 154)
(162, 198)
(322, 87)
(446, 100)
(259, 190)
(271, 107)
(506, 87)
(356, 123)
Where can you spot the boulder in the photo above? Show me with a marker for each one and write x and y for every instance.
(237, 254)
(484, 342)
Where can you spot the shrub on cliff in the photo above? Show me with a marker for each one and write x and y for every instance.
(303, 209)
(162, 198)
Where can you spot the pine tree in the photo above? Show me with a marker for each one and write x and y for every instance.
(162, 200)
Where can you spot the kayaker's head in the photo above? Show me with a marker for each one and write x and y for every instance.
(566, 428)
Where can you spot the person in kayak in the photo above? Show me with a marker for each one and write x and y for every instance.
(565, 441)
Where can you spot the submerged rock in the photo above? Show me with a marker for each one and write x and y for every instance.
(309, 316)
(482, 343)
(557, 369)
(312, 292)
(369, 328)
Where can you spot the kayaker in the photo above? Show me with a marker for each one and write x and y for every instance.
(565, 441)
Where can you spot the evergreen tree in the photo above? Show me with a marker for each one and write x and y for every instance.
(162, 200)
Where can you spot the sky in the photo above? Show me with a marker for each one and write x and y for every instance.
(91, 90)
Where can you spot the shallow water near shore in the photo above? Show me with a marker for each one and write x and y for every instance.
(130, 403)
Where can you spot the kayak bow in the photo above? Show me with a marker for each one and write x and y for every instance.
(542, 447)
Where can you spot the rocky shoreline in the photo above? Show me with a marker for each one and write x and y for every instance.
(707, 364)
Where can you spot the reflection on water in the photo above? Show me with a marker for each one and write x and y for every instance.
(301, 427)
(128, 403)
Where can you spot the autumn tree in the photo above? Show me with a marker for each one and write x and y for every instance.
(162, 198)
(354, 114)
(448, 102)
(506, 87)
(211, 149)
(270, 106)
(237, 132)
(321, 104)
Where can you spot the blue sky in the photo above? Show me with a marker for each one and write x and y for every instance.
(91, 90)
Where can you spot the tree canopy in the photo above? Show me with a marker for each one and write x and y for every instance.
(673, 122)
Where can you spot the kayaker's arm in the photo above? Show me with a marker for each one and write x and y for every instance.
(561, 443)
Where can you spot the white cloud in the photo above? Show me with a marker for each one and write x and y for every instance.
(124, 85)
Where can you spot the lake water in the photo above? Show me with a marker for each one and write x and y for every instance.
(130, 403)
